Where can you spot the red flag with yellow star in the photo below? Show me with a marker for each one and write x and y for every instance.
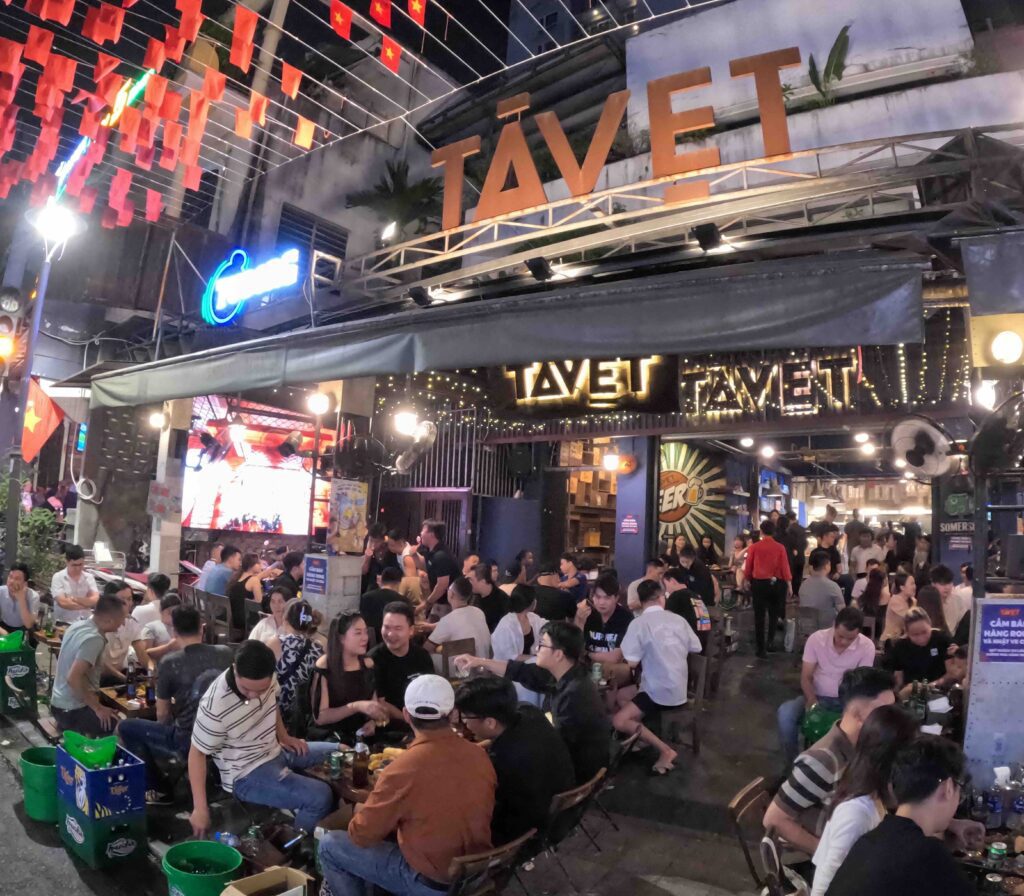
(42, 417)
(418, 12)
(390, 54)
(380, 12)
(341, 19)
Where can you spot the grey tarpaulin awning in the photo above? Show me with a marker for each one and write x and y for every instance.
(995, 272)
(869, 300)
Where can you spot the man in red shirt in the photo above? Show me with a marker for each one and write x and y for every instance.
(771, 582)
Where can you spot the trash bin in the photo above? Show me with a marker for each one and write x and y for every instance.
(39, 780)
(200, 868)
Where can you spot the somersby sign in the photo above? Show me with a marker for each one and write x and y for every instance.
(512, 162)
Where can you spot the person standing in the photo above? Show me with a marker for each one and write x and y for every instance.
(660, 642)
(819, 592)
(864, 550)
(75, 701)
(795, 541)
(217, 578)
(768, 571)
(431, 804)
(74, 590)
(19, 604)
(852, 530)
(442, 569)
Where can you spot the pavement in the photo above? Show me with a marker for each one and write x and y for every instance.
(675, 836)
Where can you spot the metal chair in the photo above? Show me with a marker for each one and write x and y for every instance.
(486, 872)
(676, 721)
(746, 810)
(452, 649)
(715, 652)
(607, 782)
(253, 614)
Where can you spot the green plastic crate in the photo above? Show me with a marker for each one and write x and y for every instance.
(18, 683)
(103, 842)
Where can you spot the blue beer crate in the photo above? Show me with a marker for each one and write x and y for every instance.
(104, 792)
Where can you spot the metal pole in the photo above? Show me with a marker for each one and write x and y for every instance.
(312, 486)
(14, 490)
(158, 323)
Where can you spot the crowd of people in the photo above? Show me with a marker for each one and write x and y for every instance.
(561, 662)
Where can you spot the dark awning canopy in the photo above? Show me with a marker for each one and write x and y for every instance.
(872, 299)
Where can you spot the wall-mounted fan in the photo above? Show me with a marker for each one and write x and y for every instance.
(423, 441)
(923, 444)
(999, 442)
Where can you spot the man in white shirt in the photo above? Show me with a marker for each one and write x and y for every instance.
(661, 641)
(239, 725)
(865, 550)
(954, 606)
(126, 638)
(19, 604)
(214, 561)
(462, 622)
(653, 572)
(74, 590)
(157, 585)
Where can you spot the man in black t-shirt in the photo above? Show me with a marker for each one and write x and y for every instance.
(488, 596)
(698, 577)
(604, 622)
(686, 603)
(377, 556)
(397, 659)
(182, 679)
(372, 603)
(905, 853)
(442, 569)
(553, 603)
(919, 655)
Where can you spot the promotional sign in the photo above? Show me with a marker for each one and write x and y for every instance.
(629, 525)
(235, 282)
(314, 576)
(690, 502)
(1002, 633)
(346, 526)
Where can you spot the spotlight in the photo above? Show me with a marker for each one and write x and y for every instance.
(55, 223)
(985, 394)
(389, 232)
(708, 236)
(318, 403)
(868, 449)
(405, 422)
(291, 444)
(540, 268)
(158, 419)
(611, 461)
(1007, 347)
(420, 296)
(909, 474)
(746, 442)
(861, 437)
(767, 452)
(899, 463)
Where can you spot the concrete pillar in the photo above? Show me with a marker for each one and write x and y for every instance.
(165, 531)
(633, 505)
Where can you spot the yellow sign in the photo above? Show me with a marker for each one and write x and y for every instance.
(594, 384)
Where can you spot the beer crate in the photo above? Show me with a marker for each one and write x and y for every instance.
(104, 792)
(102, 842)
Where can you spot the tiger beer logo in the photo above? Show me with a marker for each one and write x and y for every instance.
(678, 494)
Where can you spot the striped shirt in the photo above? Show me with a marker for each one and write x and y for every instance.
(239, 734)
(805, 794)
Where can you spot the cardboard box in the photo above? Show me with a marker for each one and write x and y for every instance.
(275, 881)
(102, 792)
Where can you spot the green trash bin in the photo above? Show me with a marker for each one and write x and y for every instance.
(200, 868)
(39, 780)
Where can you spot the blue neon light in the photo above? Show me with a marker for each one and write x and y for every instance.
(83, 432)
(226, 294)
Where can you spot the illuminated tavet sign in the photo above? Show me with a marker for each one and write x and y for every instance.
(593, 383)
(235, 282)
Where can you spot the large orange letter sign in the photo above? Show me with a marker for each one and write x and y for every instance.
(770, 104)
(453, 159)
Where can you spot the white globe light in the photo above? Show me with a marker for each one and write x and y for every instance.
(1007, 347)
(746, 442)
(899, 463)
(868, 449)
(55, 223)
(158, 419)
(767, 451)
(861, 437)
(610, 461)
(406, 422)
(318, 403)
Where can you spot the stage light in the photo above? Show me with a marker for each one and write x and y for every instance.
(868, 449)
(406, 422)
(861, 437)
(1007, 347)
(55, 223)
(158, 419)
(420, 296)
(318, 403)
(984, 395)
(746, 442)
(767, 452)
(389, 232)
(708, 236)
(540, 268)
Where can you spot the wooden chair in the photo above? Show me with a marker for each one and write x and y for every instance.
(676, 721)
(746, 810)
(452, 649)
(486, 872)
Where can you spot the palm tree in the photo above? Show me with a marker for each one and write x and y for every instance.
(394, 198)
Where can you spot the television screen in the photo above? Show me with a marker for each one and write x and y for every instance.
(237, 479)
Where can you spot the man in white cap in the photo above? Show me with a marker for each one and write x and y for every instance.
(437, 797)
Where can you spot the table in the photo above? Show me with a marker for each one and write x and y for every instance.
(342, 787)
(117, 700)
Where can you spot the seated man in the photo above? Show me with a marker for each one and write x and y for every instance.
(660, 642)
(604, 622)
(797, 814)
(577, 711)
(126, 639)
(291, 577)
(828, 653)
(182, 679)
(492, 601)
(148, 610)
(436, 798)
(553, 604)
(904, 853)
(679, 599)
(159, 636)
(75, 702)
(19, 604)
(821, 593)
(653, 572)
(529, 757)
(372, 603)
(239, 725)
(397, 659)
(461, 623)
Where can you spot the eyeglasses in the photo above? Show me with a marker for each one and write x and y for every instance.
(548, 646)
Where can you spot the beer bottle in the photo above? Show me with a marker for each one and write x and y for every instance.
(131, 686)
(361, 763)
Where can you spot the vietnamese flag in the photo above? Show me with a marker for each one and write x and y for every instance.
(291, 78)
(341, 19)
(390, 54)
(42, 417)
(418, 12)
(380, 12)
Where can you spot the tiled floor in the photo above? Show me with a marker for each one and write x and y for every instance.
(674, 840)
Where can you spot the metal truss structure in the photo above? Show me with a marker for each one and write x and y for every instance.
(864, 180)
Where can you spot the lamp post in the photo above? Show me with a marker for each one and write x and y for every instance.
(56, 225)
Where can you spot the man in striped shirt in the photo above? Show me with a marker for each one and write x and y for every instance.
(239, 724)
(797, 814)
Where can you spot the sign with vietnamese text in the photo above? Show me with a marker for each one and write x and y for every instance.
(1002, 633)
(314, 575)
(629, 525)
